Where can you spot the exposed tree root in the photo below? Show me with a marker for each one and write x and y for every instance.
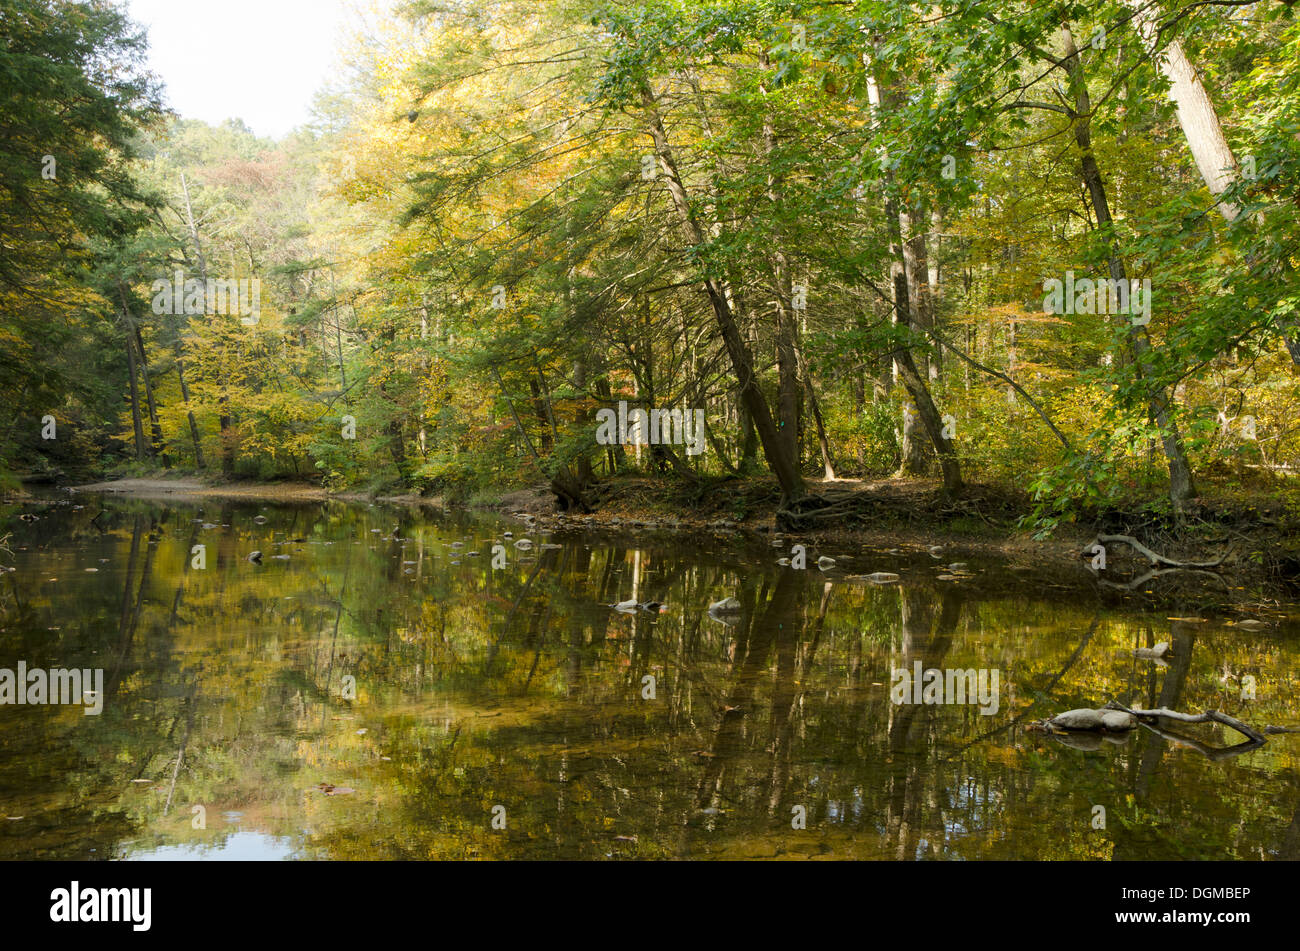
(1154, 557)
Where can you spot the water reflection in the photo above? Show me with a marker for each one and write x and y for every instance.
(374, 688)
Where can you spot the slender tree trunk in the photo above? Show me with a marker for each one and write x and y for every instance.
(135, 393)
(789, 409)
(137, 360)
(223, 401)
(912, 380)
(155, 427)
(1182, 487)
(934, 283)
(922, 403)
(783, 466)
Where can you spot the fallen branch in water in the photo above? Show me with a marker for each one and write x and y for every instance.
(1209, 716)
(1158, 573)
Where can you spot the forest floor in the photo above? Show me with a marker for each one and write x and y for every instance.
(1255, 531)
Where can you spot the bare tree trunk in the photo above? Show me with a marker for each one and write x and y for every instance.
(135, 393)
(904, 366)
(912, 380)
(154, 427)
(136, 361)
(1196, 114)
(933, 279)
(788, 392)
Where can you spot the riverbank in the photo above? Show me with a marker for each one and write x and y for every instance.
(155, 487)
(1253, 535)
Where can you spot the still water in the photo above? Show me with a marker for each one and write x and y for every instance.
(372, 690)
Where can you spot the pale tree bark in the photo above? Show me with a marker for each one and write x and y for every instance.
(223, 415)
(915, 384)
(935, 285)
(789, 407)
(1202, 130)
(1196, 113)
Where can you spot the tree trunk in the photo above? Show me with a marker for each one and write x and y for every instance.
(154, 427)
(223, 418)
(789, 410)
(916, 388)
(783, 466)
(1204, 134)
(904, 365)
(1182, 488)
(135, 392)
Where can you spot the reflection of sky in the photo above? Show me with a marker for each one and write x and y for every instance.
(240, 847)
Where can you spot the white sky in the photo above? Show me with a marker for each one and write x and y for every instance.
(256, 60)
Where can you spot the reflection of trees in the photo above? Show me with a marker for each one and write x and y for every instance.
(925, 639)
(771, 623)
(522, 687)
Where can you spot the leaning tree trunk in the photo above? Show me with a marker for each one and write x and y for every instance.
(912, 379)
(904, 365)
(1204, 134)
(784, 466)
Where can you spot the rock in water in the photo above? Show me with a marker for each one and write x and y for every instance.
(1114, 721)
(1117, 721)
(1081, 719)
(1157, 652)
(725, 606)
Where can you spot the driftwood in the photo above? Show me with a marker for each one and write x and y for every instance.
(1154, 557)
(1097, 723)
(1209, 716)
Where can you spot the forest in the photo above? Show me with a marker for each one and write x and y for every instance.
(1038, 251)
